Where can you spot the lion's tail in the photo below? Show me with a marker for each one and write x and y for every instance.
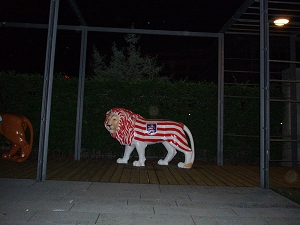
(30, 127)
(187, 130)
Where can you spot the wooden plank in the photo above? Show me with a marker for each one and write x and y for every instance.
(101, 171)
(116, 176)
(55, 167)
(27, 169)
(13, 169)
(80, 167)
(84, 171)
(62, 173)
(249, 173)
(176, 172)
(109, 172)
(31, 171)
(233, 173)
(214, 181)
(215, 172)
(284, 177)
(7, 168)
(280, 173)
(277, 178)
(169, 176)
(95, 166)
(231, 177)
(144, 179)
(185, 174)
(160, 174)
(134, 175)
(104, 170)
(199, 177)
(152, 174)
(126, 174)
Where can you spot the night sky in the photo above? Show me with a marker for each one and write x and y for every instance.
(24, 49)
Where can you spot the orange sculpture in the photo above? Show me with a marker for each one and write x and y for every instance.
(13, 127)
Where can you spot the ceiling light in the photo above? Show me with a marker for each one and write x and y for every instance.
(281, 22)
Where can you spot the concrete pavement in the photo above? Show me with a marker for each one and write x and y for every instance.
(24, 201)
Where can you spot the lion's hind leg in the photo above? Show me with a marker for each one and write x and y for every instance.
(11, 153)
(171, 153)
(189, 160)
(25, 151)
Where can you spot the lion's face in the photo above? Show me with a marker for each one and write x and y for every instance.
(112, 123)
(120, 124)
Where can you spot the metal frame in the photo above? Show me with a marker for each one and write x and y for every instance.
(264, 96)
(256, 18)
(246, 20)
(47, 91)
(80, 94)
(220, 101)
(293, 94)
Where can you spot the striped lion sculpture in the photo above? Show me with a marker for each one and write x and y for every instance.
(134, 131)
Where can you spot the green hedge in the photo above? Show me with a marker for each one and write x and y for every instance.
(194, 104)
(241, 123)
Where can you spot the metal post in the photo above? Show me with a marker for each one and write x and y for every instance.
(80, 94)
(47, 91)
(264, 96)
(220, 99)
(293, 94)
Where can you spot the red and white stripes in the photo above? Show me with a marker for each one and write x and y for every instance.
(155, 131)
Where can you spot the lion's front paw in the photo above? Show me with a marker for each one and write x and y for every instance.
(122, 161)
(162, 162)
(138, 163)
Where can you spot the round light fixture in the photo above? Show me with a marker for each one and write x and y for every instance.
(281, 22)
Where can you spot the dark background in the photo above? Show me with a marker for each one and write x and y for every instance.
(193, 58)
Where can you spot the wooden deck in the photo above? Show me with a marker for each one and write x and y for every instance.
(107, 170)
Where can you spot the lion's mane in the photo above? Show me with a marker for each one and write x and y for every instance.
(125, 132)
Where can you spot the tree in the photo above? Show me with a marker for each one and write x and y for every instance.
(126, 62)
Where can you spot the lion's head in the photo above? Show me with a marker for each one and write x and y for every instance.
(120, 124)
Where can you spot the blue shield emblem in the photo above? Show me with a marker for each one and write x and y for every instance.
(151, 128)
